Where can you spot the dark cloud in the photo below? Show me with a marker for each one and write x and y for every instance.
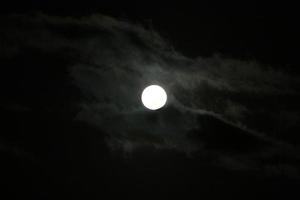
(230, 109)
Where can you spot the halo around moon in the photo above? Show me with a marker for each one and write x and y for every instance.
(154, 97)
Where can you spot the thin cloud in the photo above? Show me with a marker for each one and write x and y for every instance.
(111, 61)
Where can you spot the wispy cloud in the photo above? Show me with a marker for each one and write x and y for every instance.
(111, 61)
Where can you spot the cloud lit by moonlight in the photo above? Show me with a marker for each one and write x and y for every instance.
(154, 97)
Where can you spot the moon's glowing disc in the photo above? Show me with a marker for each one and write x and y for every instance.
(154, 97)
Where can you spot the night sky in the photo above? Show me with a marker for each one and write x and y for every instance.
(73, 125)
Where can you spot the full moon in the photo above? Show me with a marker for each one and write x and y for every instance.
(154, 97)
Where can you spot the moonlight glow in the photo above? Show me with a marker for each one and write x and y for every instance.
(154, 97)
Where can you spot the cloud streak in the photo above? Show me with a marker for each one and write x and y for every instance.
(111, 61)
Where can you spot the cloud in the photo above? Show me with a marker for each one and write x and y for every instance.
(111, 61)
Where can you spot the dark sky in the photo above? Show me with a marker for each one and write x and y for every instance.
(73, 125)
(258, 30)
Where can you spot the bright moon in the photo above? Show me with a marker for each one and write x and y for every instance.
(154, 97)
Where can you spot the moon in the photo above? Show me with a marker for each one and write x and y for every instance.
(154, 97)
